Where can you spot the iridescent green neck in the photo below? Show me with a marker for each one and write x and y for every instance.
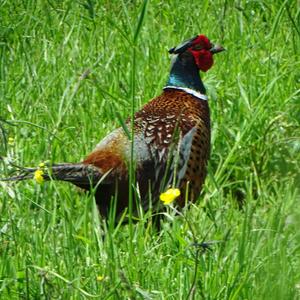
(184, 73)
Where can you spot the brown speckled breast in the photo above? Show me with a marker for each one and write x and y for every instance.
(176, 128)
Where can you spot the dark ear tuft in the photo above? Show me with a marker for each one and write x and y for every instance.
(183, 46)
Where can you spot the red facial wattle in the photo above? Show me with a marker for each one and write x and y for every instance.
(201, 51)
(203, 58)
(203, 41)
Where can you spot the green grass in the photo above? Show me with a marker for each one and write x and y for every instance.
(51, 237)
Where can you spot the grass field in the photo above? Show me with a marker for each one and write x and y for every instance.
(51, 237)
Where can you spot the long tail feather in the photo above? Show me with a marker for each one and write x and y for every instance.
(79, 174)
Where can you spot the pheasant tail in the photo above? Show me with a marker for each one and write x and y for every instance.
(81, 175)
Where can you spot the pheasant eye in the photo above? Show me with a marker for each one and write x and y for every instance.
(197, 47)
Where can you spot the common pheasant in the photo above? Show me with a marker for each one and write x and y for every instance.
(171, 143)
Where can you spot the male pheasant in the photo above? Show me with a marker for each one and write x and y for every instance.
(171, 140)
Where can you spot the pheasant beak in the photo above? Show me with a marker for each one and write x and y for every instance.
(216, 49)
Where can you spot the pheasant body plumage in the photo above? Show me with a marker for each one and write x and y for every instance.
(171, 140)
(154, 126)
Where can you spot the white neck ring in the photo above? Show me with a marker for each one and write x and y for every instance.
(189, 91)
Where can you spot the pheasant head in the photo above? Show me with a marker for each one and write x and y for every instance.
(189, 57)
(201, 49)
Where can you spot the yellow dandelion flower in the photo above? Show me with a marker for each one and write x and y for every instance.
(169, 195)
(38, 176)
(100, 277)
(11, 141)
